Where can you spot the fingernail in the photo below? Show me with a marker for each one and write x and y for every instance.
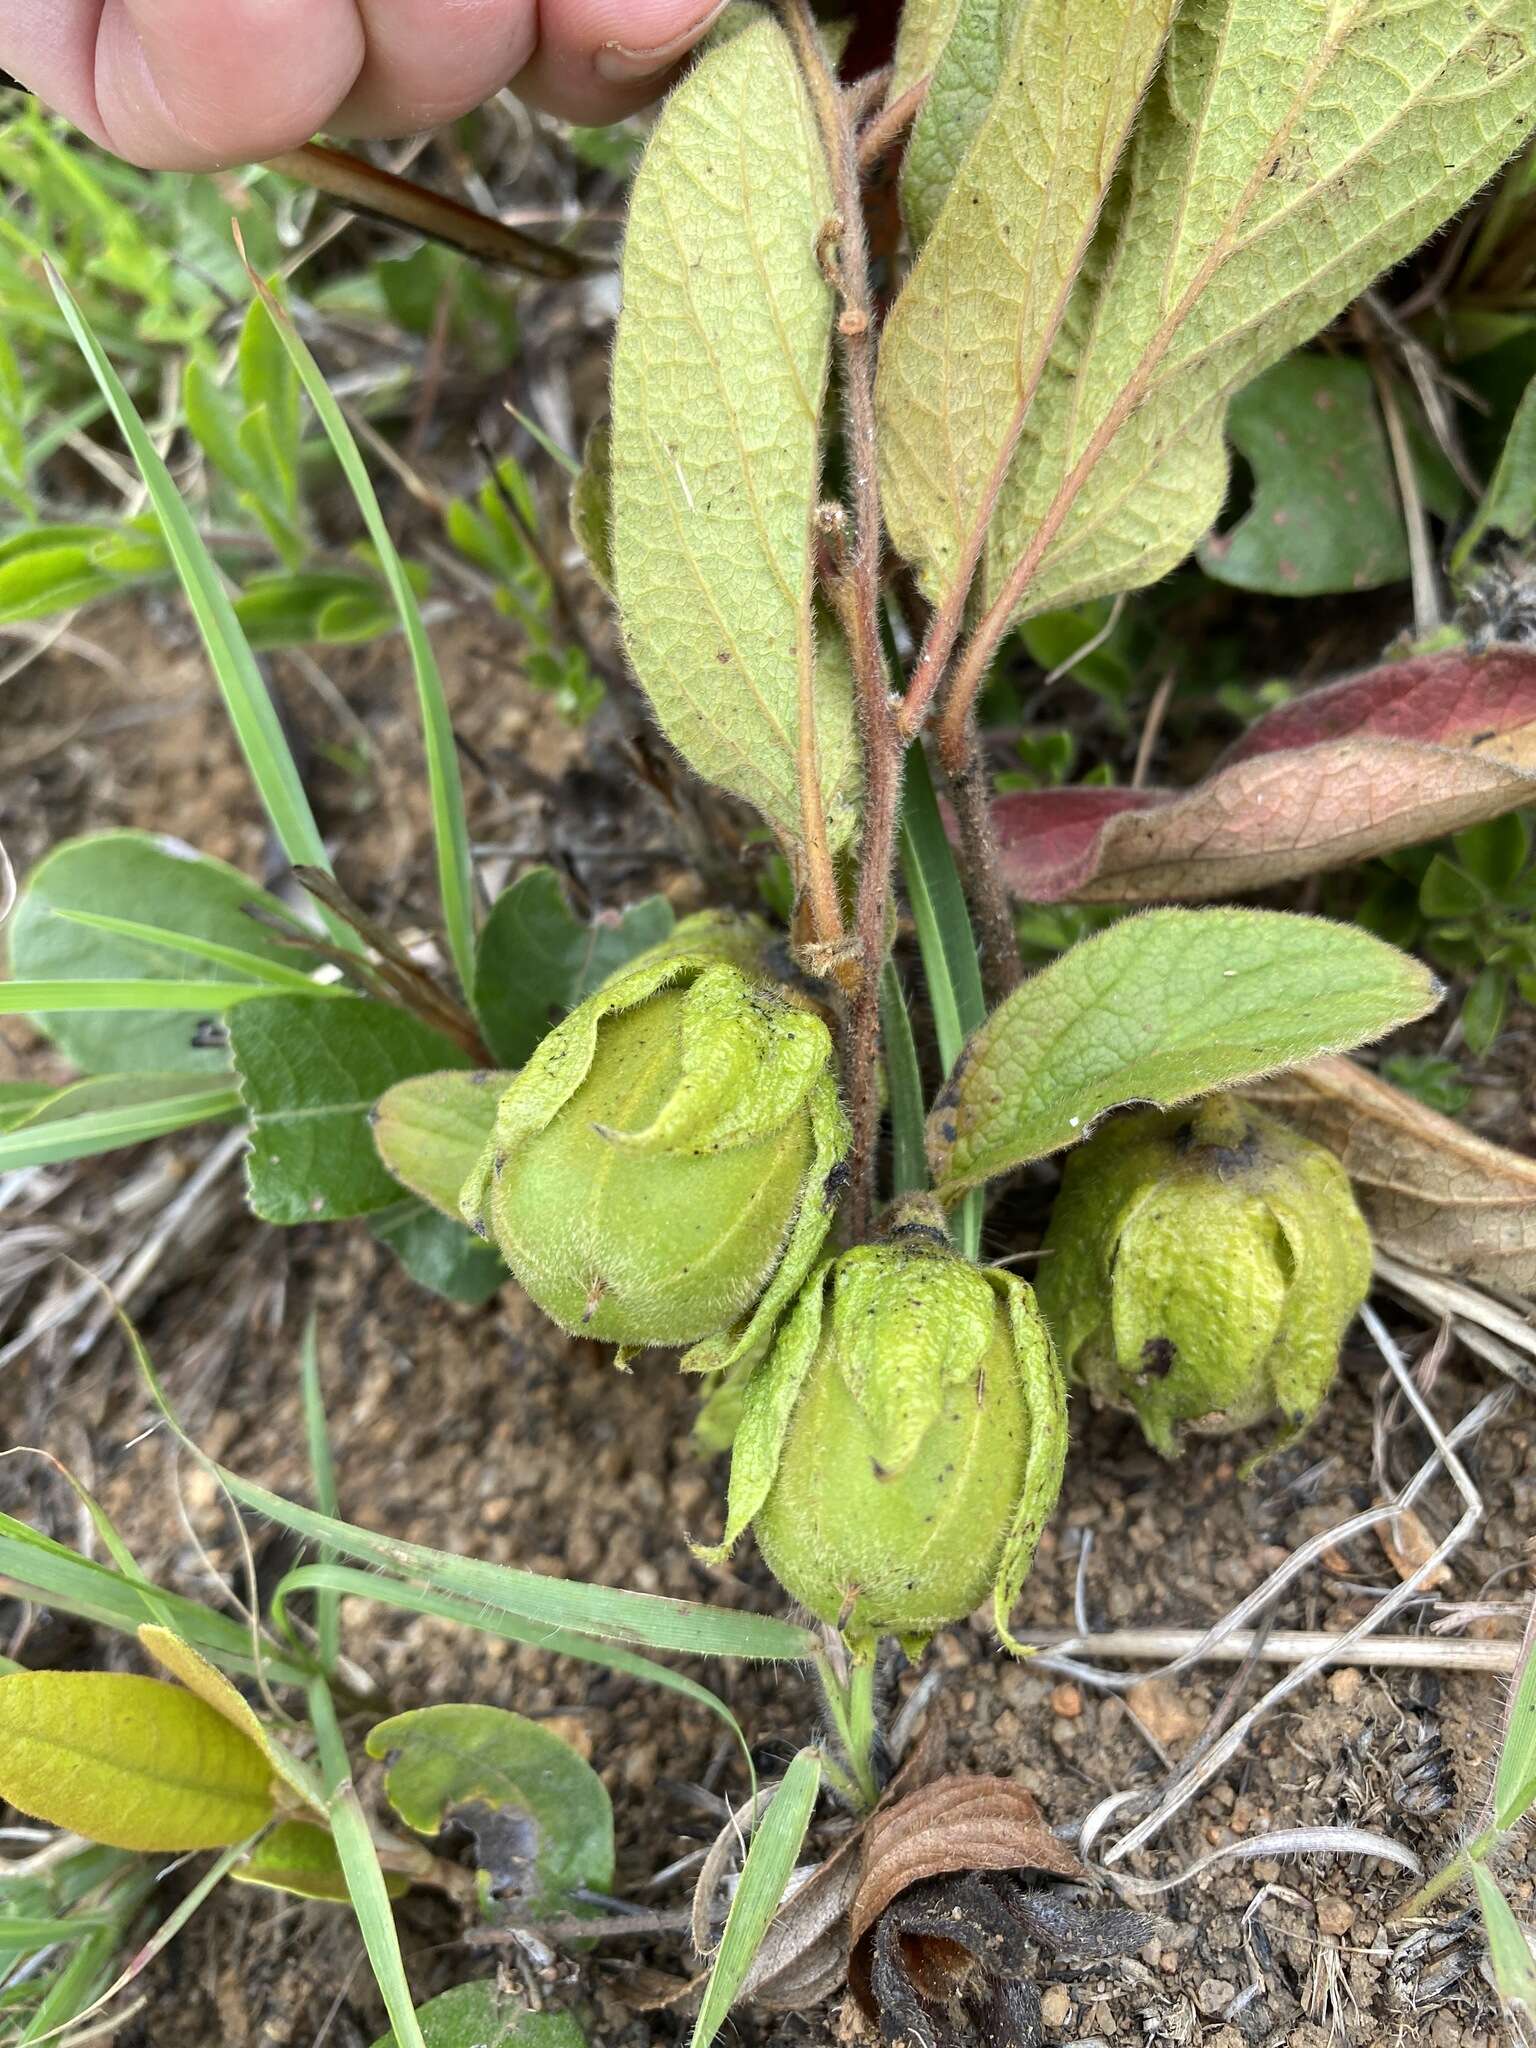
(620, 64)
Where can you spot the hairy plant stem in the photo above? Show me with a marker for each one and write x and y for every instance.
(887, 128)
(981, 868)
(845, 251)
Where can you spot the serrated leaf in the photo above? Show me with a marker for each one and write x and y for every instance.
(128, 1761)
(971, 336)
(1325, 514)
(150, 879)
(440, 1254)
(477, 2016)
(540, 1814)
(431, 1130)
(300, 1858)
(536, 959)
(310, 1088)
(1289, 152)
(1161, 1008)
(965, 64)
(720, 371)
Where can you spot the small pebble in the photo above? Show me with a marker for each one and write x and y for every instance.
(1056, 2005)
(1215, 1995)
(1344, 1686)
(1334, 1915)
(1067, 1701)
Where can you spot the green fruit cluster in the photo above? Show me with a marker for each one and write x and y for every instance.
(902, 1445)
(1201, 1268)
(666, 1153)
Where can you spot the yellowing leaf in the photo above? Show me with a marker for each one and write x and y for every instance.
(215, 1690)
(301, 1858)
(1290, 151)
(970, 337)
(719, 374)
(128, 1761)
(1161, 1008)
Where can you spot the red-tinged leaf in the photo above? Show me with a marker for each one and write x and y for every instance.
(1389, 758)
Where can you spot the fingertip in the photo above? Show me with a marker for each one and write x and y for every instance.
(599, 60)
(182, 86)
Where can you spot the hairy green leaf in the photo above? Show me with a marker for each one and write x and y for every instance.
(148, 879)
(431, 1130)
(719, 375)
(477, 2016)
(925, 27)
(1161, 1008)
(592, 504)
(1290, 151)
(965, 68)
(311, 1087)
(1325, 515)
(128, 1761)
(541, 1816)
(537, 959)
(971, 336)
(439, 1252)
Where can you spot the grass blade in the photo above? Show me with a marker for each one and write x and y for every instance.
(323, 1466)
(909, 1159)
(1509, 1953)
(106, 1130)
(946, 943)
(31, 998)
(34, 1567)
(450, 827)
(764, 1876)
(360, 1863)
(610, 1615)
(339, 1580)
(292, 980)
(255, 719)
(1514, 1779)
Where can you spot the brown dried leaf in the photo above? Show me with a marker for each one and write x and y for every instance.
(1435, 1195)
(1402, 753)
(804, 1955)
(1409, 1547)
(954, 1824)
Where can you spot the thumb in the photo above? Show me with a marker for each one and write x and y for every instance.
(598, 60)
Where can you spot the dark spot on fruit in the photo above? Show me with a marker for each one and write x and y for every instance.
(1159, 1355)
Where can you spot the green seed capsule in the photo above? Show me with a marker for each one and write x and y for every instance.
(667, 1149)
(1201, 1268)
(902, 1445)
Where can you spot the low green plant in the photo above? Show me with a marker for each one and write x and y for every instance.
(1467, 903)
(1035, 428)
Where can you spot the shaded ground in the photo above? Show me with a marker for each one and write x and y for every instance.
(486, 1431)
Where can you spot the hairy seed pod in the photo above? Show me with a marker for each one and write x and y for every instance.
(1201, 1268)
(902, 1445)
(667, 1152)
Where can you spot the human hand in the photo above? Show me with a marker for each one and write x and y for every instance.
(192, 84)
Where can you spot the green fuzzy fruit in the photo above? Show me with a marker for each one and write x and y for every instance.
(902, 1445)
(664, 1152)
(1201, 1268)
